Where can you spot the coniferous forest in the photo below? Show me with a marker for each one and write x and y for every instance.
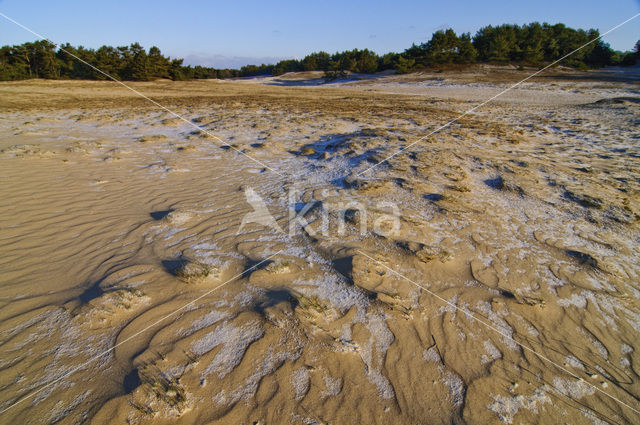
(527, 45)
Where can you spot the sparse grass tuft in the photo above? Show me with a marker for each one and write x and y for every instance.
(192, 271)
(311, 303)
(168, 390)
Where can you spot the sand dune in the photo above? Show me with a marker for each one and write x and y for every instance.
(522, 216)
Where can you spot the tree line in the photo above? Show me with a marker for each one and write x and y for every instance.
(532, 44)
(41, 59)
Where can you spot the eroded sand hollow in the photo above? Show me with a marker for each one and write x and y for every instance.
(116, 214)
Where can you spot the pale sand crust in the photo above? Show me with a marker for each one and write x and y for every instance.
(525, 213)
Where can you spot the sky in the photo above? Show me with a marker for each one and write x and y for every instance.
(232, 34)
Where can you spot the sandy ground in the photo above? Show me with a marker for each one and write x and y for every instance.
(488, 274)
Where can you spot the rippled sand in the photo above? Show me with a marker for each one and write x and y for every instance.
(135, 288)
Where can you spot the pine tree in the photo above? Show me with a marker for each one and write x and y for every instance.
(366, 62)
(139, 66)
(158, 64)
(442, 49)
(531, 39)
(466, 52)
(404, 65)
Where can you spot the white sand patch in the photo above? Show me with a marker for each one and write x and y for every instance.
(572, 387)
(234, 340)
(431, 355)
(211, 318)
(333, 386)
(270, 363)
(506, 407)
(574, 362)
(300, 381)
(492, 353)
(339, 295)
(455, 384)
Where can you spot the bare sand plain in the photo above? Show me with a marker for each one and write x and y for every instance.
(488, 274)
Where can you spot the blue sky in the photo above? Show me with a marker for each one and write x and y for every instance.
(231, 33)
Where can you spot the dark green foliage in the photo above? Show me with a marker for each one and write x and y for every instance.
(442, 48)
(334, 75)
(404, 65)
(157, 64)
(535, 44)
(628, 59)
(15, 69)
(601, 54)
(28, 60)
(366, 61)
(316, 61)
(290, 65)
(355, 60)
(253, 70)
(42, 59)
(177, 72)
(466, 52)
(531, 44)
(388, 61)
